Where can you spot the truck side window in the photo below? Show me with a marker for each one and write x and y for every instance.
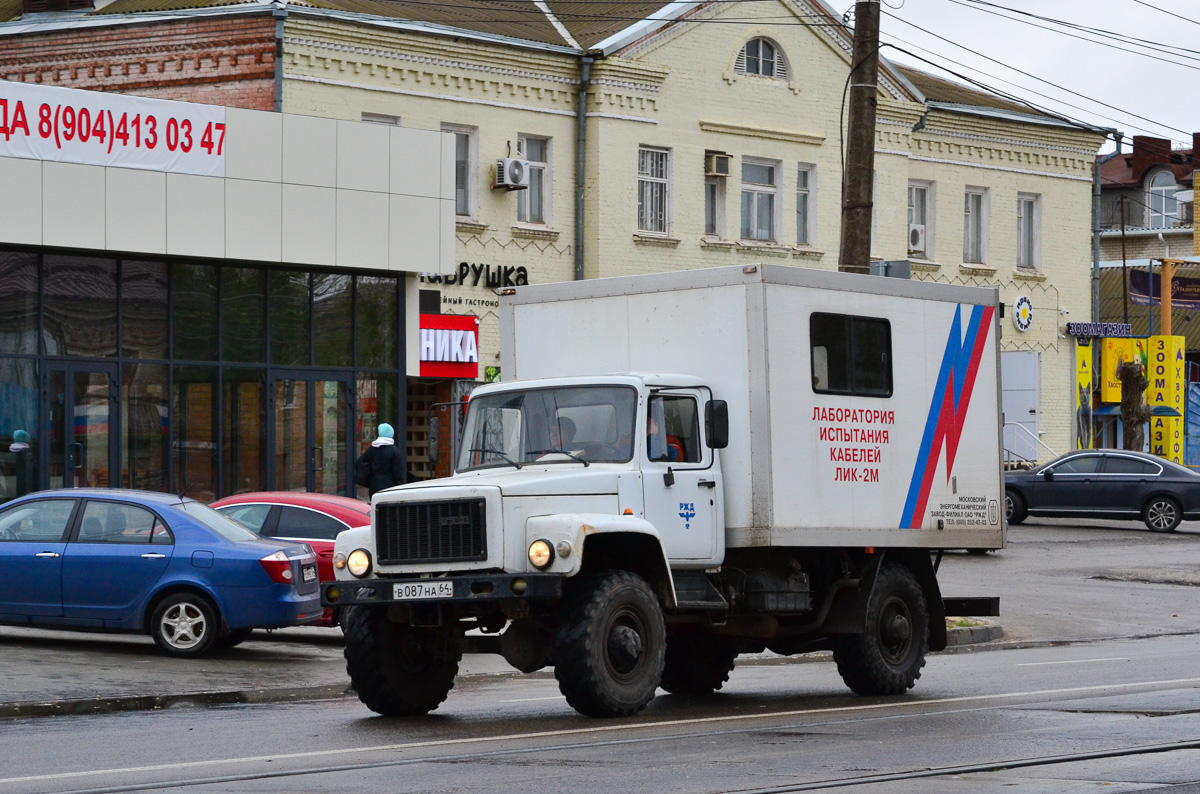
(673, 429)
(851, 355)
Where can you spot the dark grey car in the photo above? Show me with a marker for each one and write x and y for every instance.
(1106, 483)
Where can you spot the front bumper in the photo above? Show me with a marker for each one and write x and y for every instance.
(474, 589)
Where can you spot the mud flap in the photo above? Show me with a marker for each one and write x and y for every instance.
(918, 561)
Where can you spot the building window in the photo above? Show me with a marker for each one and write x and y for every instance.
(714, 206)
(759, 190)
(1164, 210)
(975, 226)
(654, 190)
(920, 220)
(532, 204)
(806, 185)
(763, 58)
(381, 118)
(1029, 231)
(851, 355)
(464, 169)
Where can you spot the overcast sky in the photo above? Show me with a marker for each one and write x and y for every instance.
(1139, 85)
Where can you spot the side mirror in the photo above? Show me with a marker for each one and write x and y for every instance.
(716, 423)
(434, 437)
(1048, 475)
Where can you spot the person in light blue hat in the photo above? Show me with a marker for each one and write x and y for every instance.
(23, 457)
(382, 465)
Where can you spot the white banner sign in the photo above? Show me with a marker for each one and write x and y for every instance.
(71, 126)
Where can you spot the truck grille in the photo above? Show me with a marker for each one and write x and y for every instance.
(452, 531)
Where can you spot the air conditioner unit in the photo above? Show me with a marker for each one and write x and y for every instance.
(916, 237)
(716, 165)
(511, 174)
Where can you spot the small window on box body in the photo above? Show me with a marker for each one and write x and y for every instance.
(851, 355)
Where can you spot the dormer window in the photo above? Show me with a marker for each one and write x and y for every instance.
(1164, 209)
(761, 57)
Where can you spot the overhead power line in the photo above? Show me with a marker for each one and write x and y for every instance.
(1165, 11)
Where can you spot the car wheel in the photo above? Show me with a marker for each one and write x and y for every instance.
(1162, 514)
(610, 648)
(184, 624)
(886, 659)
(1014, 507)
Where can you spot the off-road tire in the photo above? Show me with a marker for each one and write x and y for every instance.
(1162, 514)
(697, 662)
(185, 625)
(1014, 507)
(887, 658)
(610, 646)
(397, 670)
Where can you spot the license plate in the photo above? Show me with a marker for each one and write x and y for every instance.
(310, 573)
(409, 591)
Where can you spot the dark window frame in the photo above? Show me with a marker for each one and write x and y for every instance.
(852, 321)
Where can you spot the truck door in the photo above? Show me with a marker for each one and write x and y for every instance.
(682, 487)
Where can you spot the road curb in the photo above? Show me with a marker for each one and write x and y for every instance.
(955, 637)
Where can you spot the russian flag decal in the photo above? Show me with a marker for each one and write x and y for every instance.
(948, 408)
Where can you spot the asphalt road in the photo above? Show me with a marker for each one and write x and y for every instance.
(1099, 658)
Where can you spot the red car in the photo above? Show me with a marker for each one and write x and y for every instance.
(313, 518)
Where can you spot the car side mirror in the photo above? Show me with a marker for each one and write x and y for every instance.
(716, 423)
(1048, 475)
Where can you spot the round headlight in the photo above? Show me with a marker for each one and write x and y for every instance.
(359, 562)
(541, 554)
(339, 561)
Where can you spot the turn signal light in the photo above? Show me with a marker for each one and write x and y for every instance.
(278, 567)
(332, 593)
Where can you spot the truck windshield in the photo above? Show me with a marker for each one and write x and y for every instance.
(578, 424)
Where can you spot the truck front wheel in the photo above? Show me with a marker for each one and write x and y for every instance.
(886, 659)
(397, 670)
(697, 662)
(610, 646)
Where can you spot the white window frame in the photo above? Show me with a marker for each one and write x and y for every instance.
(645, 185)
(381, 118)
(779, 65)
(930, 190)
(1161, 199)
(981, 223)
(538, 169)
(759, 189)
(714, 204)
(1031, 204)
(806, 195)
(471, 180)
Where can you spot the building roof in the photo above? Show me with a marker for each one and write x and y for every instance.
(937, 89)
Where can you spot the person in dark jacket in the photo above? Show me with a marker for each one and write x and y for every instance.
(382, 465)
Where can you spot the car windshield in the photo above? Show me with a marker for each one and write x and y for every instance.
(576, 424)
(225, 527)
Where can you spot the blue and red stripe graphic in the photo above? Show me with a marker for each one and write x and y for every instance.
(948, 409)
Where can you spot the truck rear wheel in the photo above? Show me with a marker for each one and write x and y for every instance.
(887, 658)
(609, 649)
(397, 670)
(697, 662)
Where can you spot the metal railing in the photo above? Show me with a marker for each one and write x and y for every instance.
(1009, 455)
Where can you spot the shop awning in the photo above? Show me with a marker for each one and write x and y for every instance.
(1155, 410)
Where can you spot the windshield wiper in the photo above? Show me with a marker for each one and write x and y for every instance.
(495, 452)
(560, 452)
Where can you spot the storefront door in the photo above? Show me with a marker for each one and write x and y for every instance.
(80, 406)
(311, 421)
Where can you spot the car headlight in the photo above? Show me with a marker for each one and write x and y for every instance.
(541, 554)
(359, 562)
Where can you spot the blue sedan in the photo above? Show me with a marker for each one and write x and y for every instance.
(132, 561)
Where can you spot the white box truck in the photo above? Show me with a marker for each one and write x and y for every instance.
(684, 467)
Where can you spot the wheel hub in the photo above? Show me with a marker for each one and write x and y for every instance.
(625, 647)
(896, 630)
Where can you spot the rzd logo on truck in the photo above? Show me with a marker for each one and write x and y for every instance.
(948, 409)
(687, 511)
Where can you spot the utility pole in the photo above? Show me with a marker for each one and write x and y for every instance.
(859, 174)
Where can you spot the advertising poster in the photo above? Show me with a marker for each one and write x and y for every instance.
(1083, 395)
(1167, 384)
(1113, 351)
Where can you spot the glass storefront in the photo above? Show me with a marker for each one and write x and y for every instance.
(195, 378)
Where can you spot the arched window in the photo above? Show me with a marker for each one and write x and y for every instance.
(1164, 210)
(763, 58)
